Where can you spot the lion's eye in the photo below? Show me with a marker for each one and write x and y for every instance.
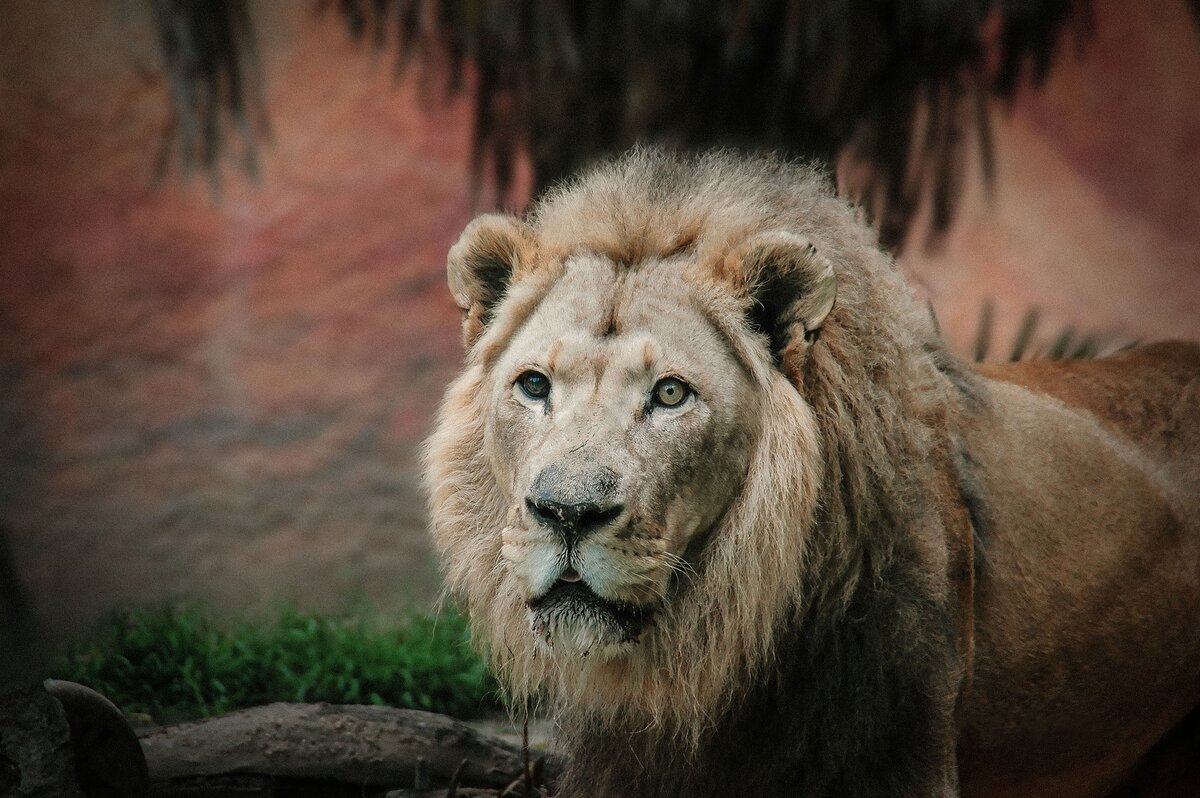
(535, 384)
(670, 392)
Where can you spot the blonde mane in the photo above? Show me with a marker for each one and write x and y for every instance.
(876, 397)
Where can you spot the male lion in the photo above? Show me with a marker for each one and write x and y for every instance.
(712, 486)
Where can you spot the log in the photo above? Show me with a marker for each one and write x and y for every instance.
(358, 745)
(467, 792)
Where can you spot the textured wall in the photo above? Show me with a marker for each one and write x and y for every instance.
(219, 400)
(1094, 214)
(225, 400)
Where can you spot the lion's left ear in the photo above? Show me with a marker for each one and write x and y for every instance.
(792, 287)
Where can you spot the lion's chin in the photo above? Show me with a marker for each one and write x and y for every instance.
(571, 619)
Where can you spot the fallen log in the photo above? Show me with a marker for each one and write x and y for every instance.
(365, 746)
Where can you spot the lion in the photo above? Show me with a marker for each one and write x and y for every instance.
(716, 494)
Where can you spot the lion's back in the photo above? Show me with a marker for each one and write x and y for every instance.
(1088, 583)
(1149, 396)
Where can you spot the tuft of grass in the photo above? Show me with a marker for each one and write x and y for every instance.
(178, 663)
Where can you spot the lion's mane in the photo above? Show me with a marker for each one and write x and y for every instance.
(789, 573)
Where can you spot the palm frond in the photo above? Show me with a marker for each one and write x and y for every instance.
(1066, 344)
(211, 62)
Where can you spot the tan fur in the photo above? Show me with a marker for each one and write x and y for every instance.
(1088, 605)
(864, 448)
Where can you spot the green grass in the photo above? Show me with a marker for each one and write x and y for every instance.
(177, 663)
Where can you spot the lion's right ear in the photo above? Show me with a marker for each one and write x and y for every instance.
(481, 265)
(793, 288)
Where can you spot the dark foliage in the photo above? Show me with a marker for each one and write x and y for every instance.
(1066, 344)
(898, 85)
(214, 76)
(573, 81)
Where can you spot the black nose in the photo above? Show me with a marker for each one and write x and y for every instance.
(573, 521)
(574, 504)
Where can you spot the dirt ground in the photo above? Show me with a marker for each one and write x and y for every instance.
(225, 400)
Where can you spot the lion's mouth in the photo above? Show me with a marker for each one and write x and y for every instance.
(574, 601)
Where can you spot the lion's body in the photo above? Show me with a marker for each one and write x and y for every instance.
(1088, 594)
(845, 563)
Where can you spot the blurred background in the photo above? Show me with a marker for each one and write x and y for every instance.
(224, 327)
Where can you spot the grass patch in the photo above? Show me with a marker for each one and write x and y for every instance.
(178, 663)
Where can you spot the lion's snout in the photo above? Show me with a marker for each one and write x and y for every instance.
(575, 502)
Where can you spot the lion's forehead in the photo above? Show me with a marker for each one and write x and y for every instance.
(602, 318)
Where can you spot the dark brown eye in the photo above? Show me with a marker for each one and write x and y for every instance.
(670, 392)
(535, 384)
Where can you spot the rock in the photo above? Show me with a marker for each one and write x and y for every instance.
(35, 746)
(108, 758)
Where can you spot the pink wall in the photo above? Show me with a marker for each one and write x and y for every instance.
(225, 400)
(220, 400)
(1094, 215)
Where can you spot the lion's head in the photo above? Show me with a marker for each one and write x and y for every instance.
(631, 481)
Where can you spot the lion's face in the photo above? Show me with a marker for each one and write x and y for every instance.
(622, 475)
(620, 426)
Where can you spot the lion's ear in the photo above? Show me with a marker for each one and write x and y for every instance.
(792, 287)
(481, 265)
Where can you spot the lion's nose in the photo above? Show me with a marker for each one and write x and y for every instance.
(574, 504)
(573, 521)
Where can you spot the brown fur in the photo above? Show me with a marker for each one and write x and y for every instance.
(831, 628)
(1089, 646)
